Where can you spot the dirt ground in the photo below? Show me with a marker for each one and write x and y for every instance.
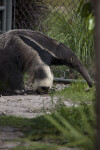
(29, 105)
(25, 106)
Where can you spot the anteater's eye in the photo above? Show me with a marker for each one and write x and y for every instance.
(71, 59)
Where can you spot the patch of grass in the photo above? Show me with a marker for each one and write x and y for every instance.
(36, 146)
(55, 128)
(77, 92)
(79, 132)
(34, 129)
(40, 129)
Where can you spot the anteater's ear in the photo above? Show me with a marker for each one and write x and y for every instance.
(61, 51)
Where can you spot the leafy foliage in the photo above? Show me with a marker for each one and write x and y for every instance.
(77, 92)
(72, 30)
(79, 130)
(86, 11)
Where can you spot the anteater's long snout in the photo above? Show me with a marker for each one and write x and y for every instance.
(85, 74)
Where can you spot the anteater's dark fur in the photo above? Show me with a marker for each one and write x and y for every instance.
(29, 51)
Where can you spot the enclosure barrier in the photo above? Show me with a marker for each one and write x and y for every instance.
(5, 15)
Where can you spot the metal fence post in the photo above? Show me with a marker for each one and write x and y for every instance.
(6, 19)
(9, 15)
(4, 16)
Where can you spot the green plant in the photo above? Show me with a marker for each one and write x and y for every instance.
(77, 92)
(79, 130)
(65, 126)
(35, 146)
(86, 11)
(73, 32)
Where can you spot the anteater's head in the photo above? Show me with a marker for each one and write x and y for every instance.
(69, 58)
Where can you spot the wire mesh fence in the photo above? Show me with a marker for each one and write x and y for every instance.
(66, 21)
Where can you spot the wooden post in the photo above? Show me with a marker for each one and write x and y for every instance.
(97, 48)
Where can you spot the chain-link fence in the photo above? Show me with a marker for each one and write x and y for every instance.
(66, 21)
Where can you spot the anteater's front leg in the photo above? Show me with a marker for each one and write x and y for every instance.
(15, 79)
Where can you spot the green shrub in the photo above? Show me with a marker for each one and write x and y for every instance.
(77, 124)
(73, 32)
